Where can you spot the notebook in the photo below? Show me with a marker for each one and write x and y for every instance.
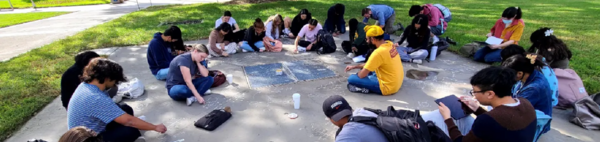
(494, 40)
(455, 105)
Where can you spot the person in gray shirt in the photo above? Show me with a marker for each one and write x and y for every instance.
(337, 109)
(188, 77)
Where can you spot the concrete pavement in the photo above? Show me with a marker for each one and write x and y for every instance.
(18, 39)
(259, 114)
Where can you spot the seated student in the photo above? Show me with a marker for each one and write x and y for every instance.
(183, 82)
(555, 51)
(273, 29)
(437, 24)
(294, 26)
(548, 72)
(91, 107)
(236, 34)
(509, 28)
(417, 36)
(535, 87)
(254, 37)
(337, 109)
(335, 23)
(217, 45)
(70, 79)
(159, 51)
(510, 120)
(384, 61)
(358, 43)
(309, 32)
(80, 134)
(385, 16)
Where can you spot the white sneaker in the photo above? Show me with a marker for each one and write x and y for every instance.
(350, 55)
(207, 92)
(189, 101)
(244, 50)
(417, 61)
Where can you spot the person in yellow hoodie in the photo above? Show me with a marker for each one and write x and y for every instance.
(384, 61)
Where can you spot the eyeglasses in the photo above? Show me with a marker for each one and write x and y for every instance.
(473, 92)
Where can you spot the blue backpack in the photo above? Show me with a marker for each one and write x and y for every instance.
(445, 11)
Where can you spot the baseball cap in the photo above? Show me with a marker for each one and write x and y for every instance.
(336, 107)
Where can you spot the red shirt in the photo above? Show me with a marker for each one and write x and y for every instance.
(512, 32)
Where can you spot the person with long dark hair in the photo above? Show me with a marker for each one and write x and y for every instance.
(535, 86)
(253, 42)
(358, 42)
(417, 35)
(217, 44)
(293, 27)
(509, 28)
(309, 33)
(273, 30)
(335, 23)
(435, 16)
(555, 51)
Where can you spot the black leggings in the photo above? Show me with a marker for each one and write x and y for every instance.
(116, 132)
(305, 43)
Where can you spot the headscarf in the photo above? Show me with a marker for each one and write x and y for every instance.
(373, 31)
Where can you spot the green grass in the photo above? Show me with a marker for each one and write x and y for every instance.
(32, 80)
(50, 3)
(18, 18)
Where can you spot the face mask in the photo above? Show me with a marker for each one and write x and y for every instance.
(507, 21)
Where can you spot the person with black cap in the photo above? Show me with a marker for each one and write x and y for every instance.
(337, 109)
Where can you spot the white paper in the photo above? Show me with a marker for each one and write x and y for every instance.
(358, 59)
(492, 40)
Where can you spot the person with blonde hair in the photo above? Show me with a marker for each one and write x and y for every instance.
(182, 82)
(273, 30)
(80, 134)
(384, 61)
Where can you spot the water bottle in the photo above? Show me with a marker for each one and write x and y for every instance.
(296, 98)
(433, 53)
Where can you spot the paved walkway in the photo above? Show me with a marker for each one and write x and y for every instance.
(18, 39)
(259, 114)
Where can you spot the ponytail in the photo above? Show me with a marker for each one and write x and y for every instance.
(526, 64)
(511, 12)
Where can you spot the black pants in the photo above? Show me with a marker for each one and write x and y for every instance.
(116, 132)
(361, 49)
(305, 43)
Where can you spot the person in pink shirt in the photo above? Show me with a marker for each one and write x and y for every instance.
(309, 32)
(437, 22)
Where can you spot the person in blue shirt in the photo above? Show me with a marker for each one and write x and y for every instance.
(159, 53)
(335, 20)
(91, 107)
(535, 87)
(546, 70)
(385, 16)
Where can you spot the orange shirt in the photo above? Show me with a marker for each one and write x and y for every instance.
(513, 32)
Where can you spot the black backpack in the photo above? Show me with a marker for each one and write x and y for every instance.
(213, 119)
(442, 45)
(325, 42)
(398, 125)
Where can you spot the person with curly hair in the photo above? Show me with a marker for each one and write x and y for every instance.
(555, 51)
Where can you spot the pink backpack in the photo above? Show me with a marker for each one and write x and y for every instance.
(570, 87)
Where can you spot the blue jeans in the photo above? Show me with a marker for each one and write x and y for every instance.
(405, 57)
(463, 124)
(181, 92)
(370, 82)
(258, 44)
(488, 55)
(332, 24)
(162, 74)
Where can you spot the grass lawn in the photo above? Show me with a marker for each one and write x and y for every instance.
(32, 80)
(50, 3)
(18, 18)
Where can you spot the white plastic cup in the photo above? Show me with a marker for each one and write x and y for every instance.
(229, 78)
(296, 98)
(433, 53)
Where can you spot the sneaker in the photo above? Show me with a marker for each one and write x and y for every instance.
(417, 61)
(207, 92)
(449, 40)
(350, 55)
(189, 101)
(356, 89)
(140, 139)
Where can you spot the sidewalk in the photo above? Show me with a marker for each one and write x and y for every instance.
(259, 113)
(18, 39)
